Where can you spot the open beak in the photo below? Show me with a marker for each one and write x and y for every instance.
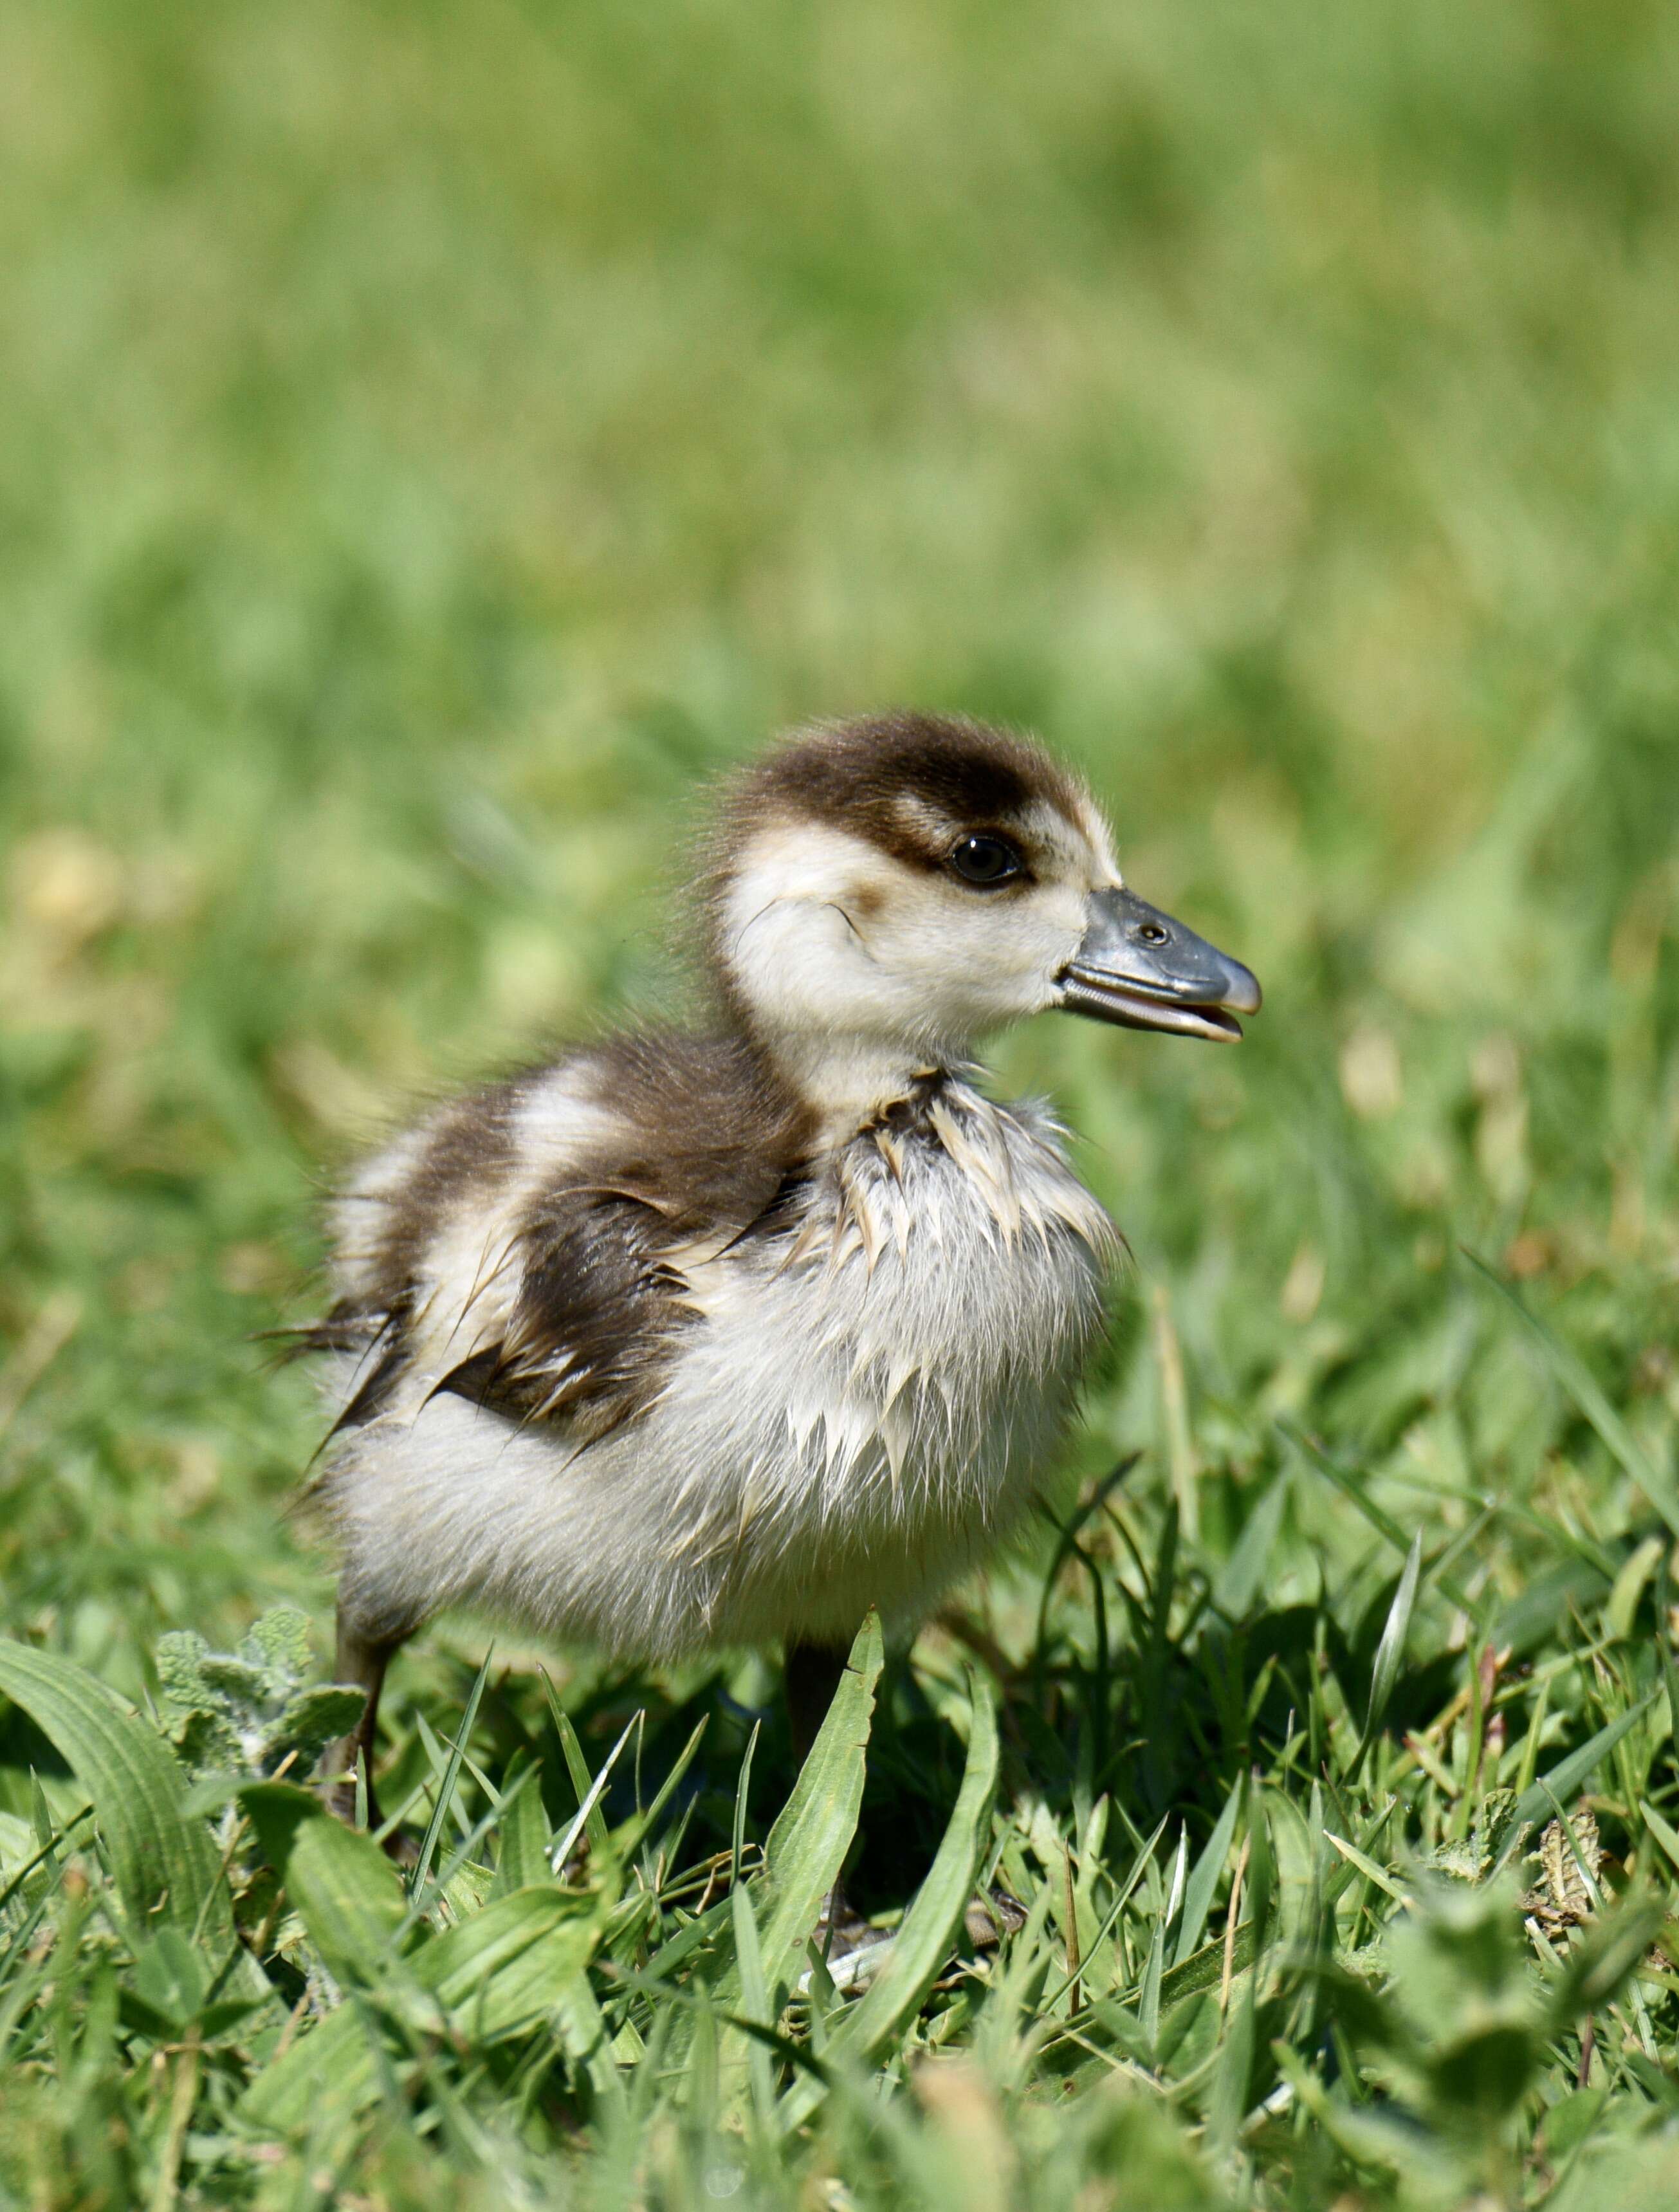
(1139, 968)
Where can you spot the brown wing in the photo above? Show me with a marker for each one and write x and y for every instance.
(705, 1147)
(599, 1309)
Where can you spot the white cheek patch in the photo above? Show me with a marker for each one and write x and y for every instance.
(986, 957)
(797, 865)
(798, 922)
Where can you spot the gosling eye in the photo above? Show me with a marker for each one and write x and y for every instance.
(984, 861)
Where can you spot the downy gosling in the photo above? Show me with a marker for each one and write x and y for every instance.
(691, 1340)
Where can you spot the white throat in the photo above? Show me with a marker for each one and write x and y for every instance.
(845, 1081)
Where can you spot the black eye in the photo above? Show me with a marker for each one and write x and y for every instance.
(985, 859)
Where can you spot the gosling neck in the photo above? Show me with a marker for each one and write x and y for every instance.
(841, 1083)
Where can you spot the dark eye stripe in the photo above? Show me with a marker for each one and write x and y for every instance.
(984, 861)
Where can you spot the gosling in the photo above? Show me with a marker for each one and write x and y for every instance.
(684, 1341)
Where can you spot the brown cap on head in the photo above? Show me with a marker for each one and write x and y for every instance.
(885, 777)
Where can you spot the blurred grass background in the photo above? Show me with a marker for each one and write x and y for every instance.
(436, 440)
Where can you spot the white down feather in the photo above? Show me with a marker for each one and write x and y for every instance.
(860, 1409)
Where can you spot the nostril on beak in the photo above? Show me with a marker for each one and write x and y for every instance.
(1151, 934)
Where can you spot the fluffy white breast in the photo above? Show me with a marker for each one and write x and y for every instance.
(863, 1404)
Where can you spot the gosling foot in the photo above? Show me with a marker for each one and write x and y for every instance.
(841, 1929)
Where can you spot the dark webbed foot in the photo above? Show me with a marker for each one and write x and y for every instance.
(841, 1929)
(990, 1915)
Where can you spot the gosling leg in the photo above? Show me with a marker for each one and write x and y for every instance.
(812, 1677)
(361, 1663)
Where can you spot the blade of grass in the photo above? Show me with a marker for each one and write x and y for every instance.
(755, 1996)
(1148, 2006)
(742, 1792)
(1390, 1653)
(644, 1824)
(1659, 1829)
(448, 1785)
(1367, 1867)
(1568, 1774)
(1113, 1920)
(1203, 1882)
(587, 1814)
(1577, 1380)
(582, 1781)
(1353, 1489)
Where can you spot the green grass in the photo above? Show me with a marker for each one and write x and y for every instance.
(438, 439)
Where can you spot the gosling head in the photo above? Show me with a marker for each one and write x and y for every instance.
(887, 891)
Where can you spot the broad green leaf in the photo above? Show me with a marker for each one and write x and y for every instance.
(164, 1862)
(237, 1678)
(806, 1847)
(813, 1832)
(348, 1892)
(179, 1659)
(316, 1717)
(931, 1927)
(1204, 1969)
(578, 2019)
(173, 1976)
(495, 1972)
(520, 1961)
(522, 1855)
(280, 1638)
(329, 2067)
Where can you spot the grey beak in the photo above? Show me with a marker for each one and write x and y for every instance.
(1139, 968)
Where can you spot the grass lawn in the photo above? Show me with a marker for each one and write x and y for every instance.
(436, 441)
